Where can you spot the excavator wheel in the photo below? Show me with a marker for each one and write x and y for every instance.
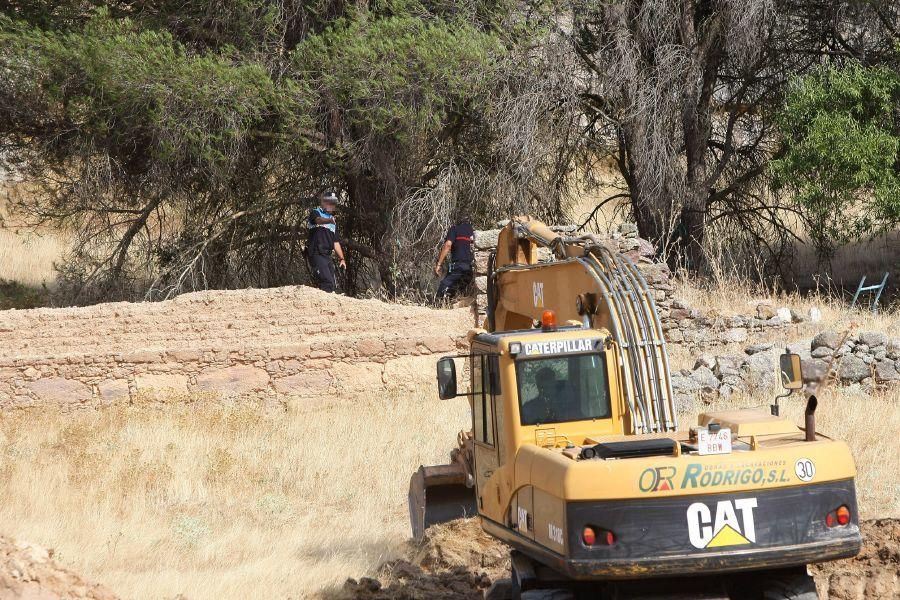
(547, 595)
(790, 585)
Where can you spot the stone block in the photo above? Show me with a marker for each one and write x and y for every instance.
(438, 343)
(886, 371)
(239, 379)
(873, 339)
(827, 339)
(310, 383)
(291, 351)
(58, 390)
(813, 369)
(158, 383)
(736, 335)
(853, 369)
(765, 311)
(485, 240)
(114, 390)
(481, 284)
(142, 356)
(371, 347)
(358, 377)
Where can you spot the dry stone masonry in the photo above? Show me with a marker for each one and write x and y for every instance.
(264, 345)
(866, 360)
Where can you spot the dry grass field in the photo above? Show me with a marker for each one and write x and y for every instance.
(223, 502)
(215, 502)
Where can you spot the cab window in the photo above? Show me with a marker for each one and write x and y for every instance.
(485, 380)
(563, 388)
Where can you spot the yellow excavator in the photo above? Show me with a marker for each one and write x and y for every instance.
(576, 461)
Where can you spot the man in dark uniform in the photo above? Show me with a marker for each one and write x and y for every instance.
(458, 244)
(323, 240)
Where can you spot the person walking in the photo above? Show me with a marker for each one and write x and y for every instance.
(458, 244)
(323, 240)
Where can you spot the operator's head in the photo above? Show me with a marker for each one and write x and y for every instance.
(328, 200)
(545, 379)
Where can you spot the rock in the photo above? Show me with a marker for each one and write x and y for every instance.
(873, 338)
(801, 348)
(853, 369)
(784, 314)
(684, 385)
(880, 354)
(705, 360)
(886, 371)
(705, 378)
(680, 314)
(866, 358)
(893, 349)
(160, 384)
(814, 315)
(762, 362)
(682, 304)
(797, 316)
(238, 379)
(765, 311)
(826, 339)
(629, 245)
(645, 248)
(481, 284)
(486, 239)
(813, 369)
(114, 390)
(59, 390)
(628, 229)
(861, 348)
(729, 364)
(736, 335)
(867, 385)
(757, 348)
(822, 352)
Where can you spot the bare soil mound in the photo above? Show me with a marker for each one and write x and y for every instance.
(458, 561)
(29, 572)
(875, 573)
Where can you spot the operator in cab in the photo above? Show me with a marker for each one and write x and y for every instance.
(458, 244)
(323, 240)
(553, 402)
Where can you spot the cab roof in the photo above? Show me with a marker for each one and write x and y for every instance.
(502, 339)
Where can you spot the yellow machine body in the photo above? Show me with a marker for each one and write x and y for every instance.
(620, 466)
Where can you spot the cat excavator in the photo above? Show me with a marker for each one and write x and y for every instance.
(576, 460)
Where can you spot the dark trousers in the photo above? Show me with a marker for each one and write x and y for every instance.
(323, 271)
(455, 281)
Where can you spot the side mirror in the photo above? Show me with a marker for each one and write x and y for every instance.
(446, 378)
(791, 372)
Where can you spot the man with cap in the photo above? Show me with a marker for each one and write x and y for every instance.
(458, 244)
(323, 240)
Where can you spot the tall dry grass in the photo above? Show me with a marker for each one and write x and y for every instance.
(215, 502)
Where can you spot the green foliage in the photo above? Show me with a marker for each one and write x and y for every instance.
(143, 99)
(841, 153)
(398, 76)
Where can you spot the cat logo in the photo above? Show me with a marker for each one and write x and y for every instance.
(725, 529)
(538, 289)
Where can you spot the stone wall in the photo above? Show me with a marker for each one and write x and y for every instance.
(866, 360)
(265, 345)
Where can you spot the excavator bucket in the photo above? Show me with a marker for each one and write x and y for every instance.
(438, 494)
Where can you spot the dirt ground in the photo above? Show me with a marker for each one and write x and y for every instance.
(458, 561)
(29, 572)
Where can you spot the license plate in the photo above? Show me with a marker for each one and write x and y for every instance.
(714, 443)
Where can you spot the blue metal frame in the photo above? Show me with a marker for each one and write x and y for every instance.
(879, 287)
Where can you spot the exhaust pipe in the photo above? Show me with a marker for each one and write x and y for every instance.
(810, 414)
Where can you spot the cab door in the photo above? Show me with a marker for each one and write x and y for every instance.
(485, 389)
